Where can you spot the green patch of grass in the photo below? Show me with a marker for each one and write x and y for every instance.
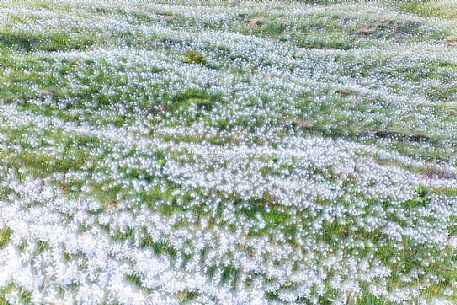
(427, 70)
(186, 296)
(22, 246)
(142, 18)
(265, 208)
(162, 12)
(75, 153)
(371, 300)
(403, 31)
(318, 31)
(135, 279)
(18, 41)
(170, 209)
(4, 292)
(201, 99)
(201, 103)
(25, 296)
(334, 232)
(337, 32)
(194, 57)
(443, 93)
(43, 78)
(272, 296)
(51, 5)
(422, 198)
(230, 274)
(452, 228)
(159, 247)
(42, 246)
(5, 236)
(28, 42)
(41, 165)
(409, 256)
(273, 28)
(122, 236)
(443, 9)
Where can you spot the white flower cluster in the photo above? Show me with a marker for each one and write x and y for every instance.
(170, 153)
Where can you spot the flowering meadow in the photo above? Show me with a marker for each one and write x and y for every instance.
(228, 152)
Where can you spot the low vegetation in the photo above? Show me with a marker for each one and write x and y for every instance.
(228, 152)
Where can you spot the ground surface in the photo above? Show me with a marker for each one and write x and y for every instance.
(225, 153)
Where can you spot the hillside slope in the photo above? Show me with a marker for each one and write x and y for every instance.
(220, 152)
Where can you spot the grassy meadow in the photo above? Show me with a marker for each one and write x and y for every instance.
(228, 152)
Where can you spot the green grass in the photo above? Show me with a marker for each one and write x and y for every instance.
(429, 8)
(203, 100)
(27, 42)
(25, 297)
(194, 57)
(135, 279)
(42, 246)
(5, 236)
(446, 191)
(328, 112)
(159, 247)
(187, 296)
(372, 300)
